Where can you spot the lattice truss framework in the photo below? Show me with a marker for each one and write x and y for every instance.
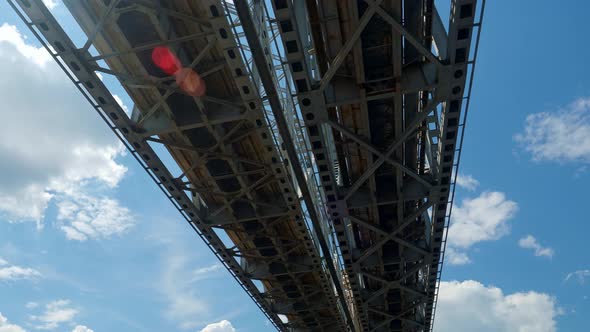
(318, 167)
(389, 97)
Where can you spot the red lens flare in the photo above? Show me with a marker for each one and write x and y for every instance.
(186, 78)
(166, 60)
(190, 82)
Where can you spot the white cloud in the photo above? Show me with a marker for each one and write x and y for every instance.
(481, 219)
(9, 35)
(31, 305)
(17, 272)
(55, 314)
(25, 203)
(579, 276)
(471, 306)
(50, 3)
(484, 218)
(454, 257)
(13, 272)
(221, 326)
(84, 217)
(82, 328)
(5, 326)
(205, 272)
(54, 141)
(529, 242)
(467, 182)
(120, 102)
(562, 136)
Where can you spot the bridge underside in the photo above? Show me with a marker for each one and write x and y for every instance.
(318, 165)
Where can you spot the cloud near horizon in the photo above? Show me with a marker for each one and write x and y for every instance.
(221, 326)
(471, 306)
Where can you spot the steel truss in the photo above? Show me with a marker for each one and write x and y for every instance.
(392, 256)
(323, 152)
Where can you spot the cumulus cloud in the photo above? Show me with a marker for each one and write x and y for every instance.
(82, 328)
(55, 314)
(9, 35)
(84, 217)
(480, 219)
(221, 326)
(5, 326)
(53, 143)
(467, 182)
(580, 276)
(562, 136)
(484, 218)
(13, 272)
(471, 306)
(530, 242)
(455, 257)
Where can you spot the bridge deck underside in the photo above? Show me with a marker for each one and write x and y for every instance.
(376, 66)
(381, 114)
(391, 108)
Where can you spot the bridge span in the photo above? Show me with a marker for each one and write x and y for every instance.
(311, 144)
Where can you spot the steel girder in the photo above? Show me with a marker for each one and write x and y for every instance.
(283, 128)
(233, 181)
(390, 195)
(465, 24)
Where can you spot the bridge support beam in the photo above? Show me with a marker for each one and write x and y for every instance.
(275, 104)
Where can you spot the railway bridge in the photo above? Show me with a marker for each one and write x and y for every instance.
(311, 144)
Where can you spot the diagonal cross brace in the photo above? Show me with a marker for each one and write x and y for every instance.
(99, 25)
(341, 56)
(243, 192)
(374, 150)
(409, 37)
(390, 284)
(408, 220)
(391, 317)
(384, 233)
(377, 163)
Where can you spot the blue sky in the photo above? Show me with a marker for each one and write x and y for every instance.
(88, 242)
